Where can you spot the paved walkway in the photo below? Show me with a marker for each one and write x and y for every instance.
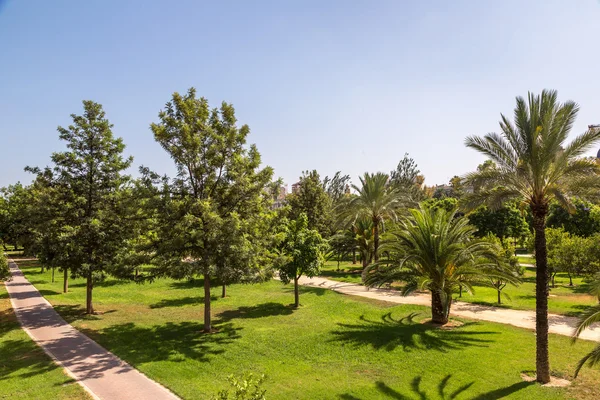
(100, 372)
(559, 324)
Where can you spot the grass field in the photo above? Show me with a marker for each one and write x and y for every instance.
(26, 372)
(333, 347)
(564, 299)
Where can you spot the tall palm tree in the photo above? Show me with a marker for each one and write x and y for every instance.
(434, 250)
(376, 200)
(534, 164)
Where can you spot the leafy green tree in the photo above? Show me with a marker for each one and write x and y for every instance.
(584, 220)
(206, 221)
(375, 200)
(46, 222)
(503, 222)
(299, 253)
(336, 187)
(406, 178)
(91, 170)
(341, 244)
(312, 200)
(534, 165)
(432, 250)
(448, 203)
(505, 269)
(14, 200)
(4, 270)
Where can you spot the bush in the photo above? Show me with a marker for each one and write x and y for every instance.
(4, 270)
(246, 387)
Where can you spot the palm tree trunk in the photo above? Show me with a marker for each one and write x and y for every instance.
(376, 239)
(207, 322)
(542, 361)
(439, 313)
(354, 256)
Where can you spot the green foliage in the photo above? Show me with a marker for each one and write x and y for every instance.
(405, 174)
(210, 220)
(434, 250)
(534, 164)
(341, 244)
(14, 200)
(246, 387)
(4, 270)
(377, 201)
(300, 252)
(312, 200)
(337, 187)
(447, 203)
(88, 177)
(506, 221)
(505, 269)
(584, 220)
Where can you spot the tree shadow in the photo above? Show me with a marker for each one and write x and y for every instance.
(259, 311)
(390, 333)
(17, 355)
(181, 301)
(170, 341)
(445, 391)
(107, 283)
(71, 313)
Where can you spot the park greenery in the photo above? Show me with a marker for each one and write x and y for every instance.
(213, 225)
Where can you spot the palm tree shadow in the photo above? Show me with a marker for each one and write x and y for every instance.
(444, 391)
(405, 332)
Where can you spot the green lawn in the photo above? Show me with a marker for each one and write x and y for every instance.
(26, 372)
(333, 347)
(564, 299)
(526, 260)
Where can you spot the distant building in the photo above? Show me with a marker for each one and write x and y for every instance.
(296, 187)
(280, 200)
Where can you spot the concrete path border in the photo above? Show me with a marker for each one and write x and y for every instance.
(102, 374)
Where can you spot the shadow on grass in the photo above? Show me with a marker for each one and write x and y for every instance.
(444, 391)
(258, 311)
(108, 283)
(25, 356)
(182, 301)
(171, 341)
(71, 313)
(390, 333)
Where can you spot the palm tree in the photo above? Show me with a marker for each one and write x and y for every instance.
(434, 250)
(588, 318)
(534, 164)
(363, 237)
(376, 200)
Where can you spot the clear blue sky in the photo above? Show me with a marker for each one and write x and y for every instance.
(327, 85)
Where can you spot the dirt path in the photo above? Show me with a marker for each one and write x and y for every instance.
(559, 324)
(101, 373)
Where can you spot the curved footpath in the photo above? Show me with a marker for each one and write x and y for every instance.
(102, 374)
(559, 324)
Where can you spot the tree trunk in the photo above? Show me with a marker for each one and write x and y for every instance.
(338, 266)
(89, 306)
(296, 293)
(460, 291)
(207, 322)
(376, 239)
(542, 361)
(365, 261)
(499, 297)
(223, 291)
(53, 274)
(553, 276)
(65, 280)
(570, 280)
(438, 311)
(354, 256)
